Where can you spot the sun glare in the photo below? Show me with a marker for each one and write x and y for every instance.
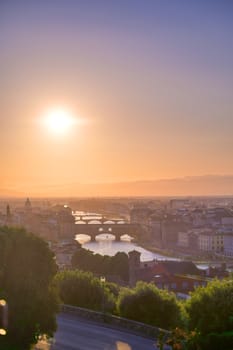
(59, 121)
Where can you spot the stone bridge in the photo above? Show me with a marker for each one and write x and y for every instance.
(118, 229)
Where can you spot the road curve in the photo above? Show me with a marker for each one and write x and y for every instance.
(74, 333)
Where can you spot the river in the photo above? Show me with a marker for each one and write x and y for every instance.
(106, 245)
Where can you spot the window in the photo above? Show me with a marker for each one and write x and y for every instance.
(173, 285)
(185, 285)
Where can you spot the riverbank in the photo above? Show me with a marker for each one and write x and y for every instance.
(196, 259)
(153, 249)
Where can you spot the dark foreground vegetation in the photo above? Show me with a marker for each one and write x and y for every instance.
(33, 288)
(27, 268)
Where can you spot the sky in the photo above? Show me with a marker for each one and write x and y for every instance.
(148, 83)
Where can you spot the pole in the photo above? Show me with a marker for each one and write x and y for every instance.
(102, 280)
(3, 316)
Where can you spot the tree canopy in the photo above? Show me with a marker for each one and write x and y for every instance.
(146, 303)
(210, 308)
(210, 319)
(82, 289)
(27, 268)
(117, 265)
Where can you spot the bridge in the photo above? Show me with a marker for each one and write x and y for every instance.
(96, 228)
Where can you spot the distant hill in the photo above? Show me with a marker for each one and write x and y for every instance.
(209, 185)
(197, 185)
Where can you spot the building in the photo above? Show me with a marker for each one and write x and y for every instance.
(178, 203)
(183, 239)
(177, 276)
(28, 206)
(140, 215)
(211, 241)
(205, 239)
(228, 244)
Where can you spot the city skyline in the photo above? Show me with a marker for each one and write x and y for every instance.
(146, 89)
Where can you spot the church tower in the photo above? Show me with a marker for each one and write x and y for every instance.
(8, 211)
(28, 206)
(134, 266)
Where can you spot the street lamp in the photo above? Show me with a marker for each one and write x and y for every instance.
(102, 281)
(3, 316)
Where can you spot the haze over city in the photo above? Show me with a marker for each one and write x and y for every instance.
(111, 97)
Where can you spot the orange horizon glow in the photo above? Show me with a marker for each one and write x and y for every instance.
(94, 95)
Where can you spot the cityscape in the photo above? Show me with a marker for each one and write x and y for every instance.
(116, 184)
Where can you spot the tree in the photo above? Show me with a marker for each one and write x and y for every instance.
(102, 265)
(119, 265)
(209, 313)
(27, 268)
(82, 289)
(210, 309)
(146, 303)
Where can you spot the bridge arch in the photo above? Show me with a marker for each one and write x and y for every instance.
(94, 227)
(83, 238)
(105, 236)
(94, 222)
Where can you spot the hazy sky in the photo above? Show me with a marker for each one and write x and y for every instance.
(151, 81)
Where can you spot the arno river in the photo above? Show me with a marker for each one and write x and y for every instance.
(106, 245)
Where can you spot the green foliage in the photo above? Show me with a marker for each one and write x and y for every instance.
(27, 267)
(181, 339)
(209, 312)
(103, 265)
(210, 309)
(82, 289)
(113, 288)
(146, 303)
(216, 341)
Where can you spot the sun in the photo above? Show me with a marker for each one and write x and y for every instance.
(59, 121)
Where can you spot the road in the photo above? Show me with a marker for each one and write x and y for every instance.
(74, 333)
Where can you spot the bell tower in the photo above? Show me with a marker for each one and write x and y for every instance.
(28, 206)
(134, 266)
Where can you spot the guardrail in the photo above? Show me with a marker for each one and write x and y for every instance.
(115, 321)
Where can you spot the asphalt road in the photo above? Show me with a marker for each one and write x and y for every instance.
(74, 333)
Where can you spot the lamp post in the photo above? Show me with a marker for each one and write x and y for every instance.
(3, 316)
(102, 281)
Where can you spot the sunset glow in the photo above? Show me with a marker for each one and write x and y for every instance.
(108, 92)
(59, 121)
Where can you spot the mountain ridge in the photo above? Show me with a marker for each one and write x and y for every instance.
(182, 186)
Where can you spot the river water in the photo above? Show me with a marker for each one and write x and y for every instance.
(106, 245)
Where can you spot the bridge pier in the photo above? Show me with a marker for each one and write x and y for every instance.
(117, 238)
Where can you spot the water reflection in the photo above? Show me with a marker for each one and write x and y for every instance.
(105, 244)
